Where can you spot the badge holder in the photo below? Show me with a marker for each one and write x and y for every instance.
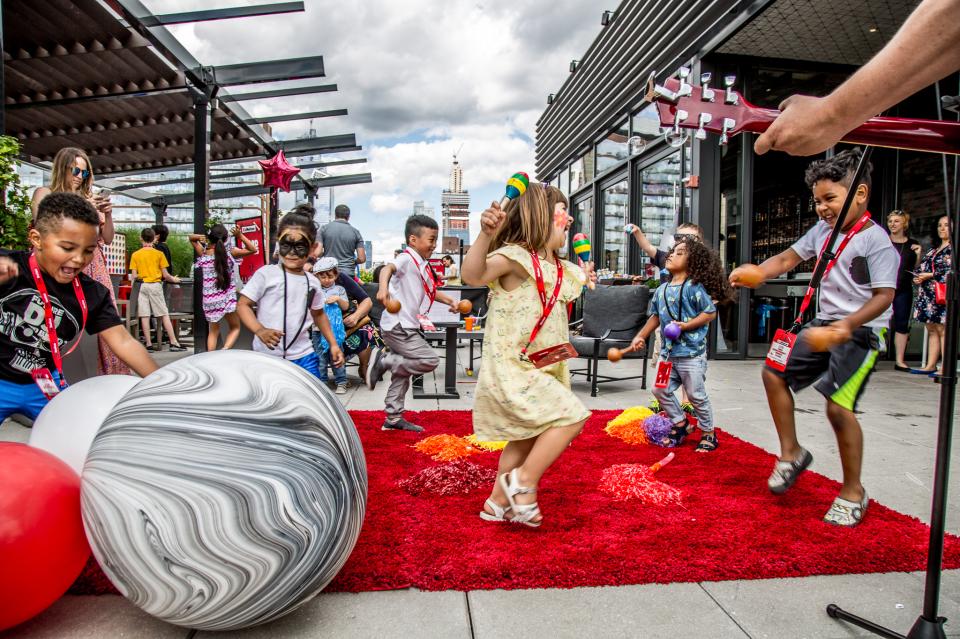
(780, 349)
(664, 369)
(44, 381)
(552, 355)
(426, 325)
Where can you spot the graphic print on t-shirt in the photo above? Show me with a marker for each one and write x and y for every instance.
(22, 323)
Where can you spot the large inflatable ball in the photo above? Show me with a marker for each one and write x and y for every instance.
(224, 490)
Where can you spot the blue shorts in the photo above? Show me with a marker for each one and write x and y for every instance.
(26, 399)
(309, 363)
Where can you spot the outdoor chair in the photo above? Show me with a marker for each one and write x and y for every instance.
(612, 315)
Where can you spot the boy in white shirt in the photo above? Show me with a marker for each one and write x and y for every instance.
(851, 324)
(409, 280)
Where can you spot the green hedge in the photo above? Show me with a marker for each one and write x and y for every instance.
(180, 250)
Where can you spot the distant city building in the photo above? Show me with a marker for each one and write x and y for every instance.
(455, 207)
(422, 208)
(368, 247)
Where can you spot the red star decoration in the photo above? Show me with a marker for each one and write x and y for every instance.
(277, 172)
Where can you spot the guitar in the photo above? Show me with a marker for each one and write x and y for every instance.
(682, 105)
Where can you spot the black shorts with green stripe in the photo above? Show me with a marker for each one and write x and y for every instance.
(839, 374)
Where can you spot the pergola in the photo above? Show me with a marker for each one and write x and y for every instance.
(109, 78)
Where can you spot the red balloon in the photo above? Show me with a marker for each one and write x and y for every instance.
(42, 544)
(278, 172)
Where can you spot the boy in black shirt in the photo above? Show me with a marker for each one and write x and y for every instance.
(45, 286)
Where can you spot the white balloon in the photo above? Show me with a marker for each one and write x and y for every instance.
(66, 426)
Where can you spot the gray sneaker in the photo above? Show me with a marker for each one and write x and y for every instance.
(785, 473)
(341, 389)
(847, 513)
(375, 368)
(402, 424)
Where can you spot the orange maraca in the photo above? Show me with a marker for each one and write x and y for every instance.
(614, 354)
(820, 338)
(392, 305)
(465, 306)
(749, 275)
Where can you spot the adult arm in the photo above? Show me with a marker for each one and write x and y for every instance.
(40, 193)
(129, 350)
(357, 294)
(106, 229)
(923, 51)
(168, 277)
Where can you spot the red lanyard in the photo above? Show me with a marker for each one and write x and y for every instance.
(843, 244)
(431, 292)
(48, 314)
(541, 291)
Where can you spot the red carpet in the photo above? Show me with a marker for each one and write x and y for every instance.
(729, 526)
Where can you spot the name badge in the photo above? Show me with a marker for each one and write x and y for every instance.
(780, 349)
(425, 323)
(552, 355)
(664, 368)
(44, 381)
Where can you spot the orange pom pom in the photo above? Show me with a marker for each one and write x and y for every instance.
(446, 447)
(628, 425)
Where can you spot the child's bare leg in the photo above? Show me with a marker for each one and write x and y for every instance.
(850, 441)
(213, 335)
(233, 321)
(168, 327)
(145, 329)
(512, 456)
(780, 400)
(547, 447)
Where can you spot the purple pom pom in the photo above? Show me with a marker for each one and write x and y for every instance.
(672, 331)
(657, 428)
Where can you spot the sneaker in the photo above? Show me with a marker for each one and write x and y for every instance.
(847, 513)
(341, 389)
(177, 348)
(785, 473)
(402, 424)
(153, 348)
(375, 368)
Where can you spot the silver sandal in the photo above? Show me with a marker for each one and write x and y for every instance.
(844, 512)
(499, 512)
(522, 513)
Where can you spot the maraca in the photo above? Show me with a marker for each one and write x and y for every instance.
(392, 305)
(616, 354)
(581, 246)
(629, 228)
(465, 306)
(820, 338)
(749, 275)
(672, 331)
(516, 186)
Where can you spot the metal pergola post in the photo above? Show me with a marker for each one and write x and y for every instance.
(201, 190)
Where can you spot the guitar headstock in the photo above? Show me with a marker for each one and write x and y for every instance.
(684, 105)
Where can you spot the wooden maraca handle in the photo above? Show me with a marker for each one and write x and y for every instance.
(615, 354)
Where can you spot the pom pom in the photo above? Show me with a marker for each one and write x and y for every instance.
(446, 447)
(636, 481)
(489, 446)
(454, 478)
(628, 425)
(687, 408)
(655, 405)
(657, 428)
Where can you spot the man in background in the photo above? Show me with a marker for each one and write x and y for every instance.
(343, 242)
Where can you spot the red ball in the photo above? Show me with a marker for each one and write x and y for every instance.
(42, 544)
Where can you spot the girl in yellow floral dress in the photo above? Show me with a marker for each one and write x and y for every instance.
(532, 408)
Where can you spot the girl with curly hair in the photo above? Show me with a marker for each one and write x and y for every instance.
(687, 301)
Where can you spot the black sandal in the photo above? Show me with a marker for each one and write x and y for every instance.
(708, 443)
(678, 433)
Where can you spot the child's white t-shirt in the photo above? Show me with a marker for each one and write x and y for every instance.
(406, 286)
(266, 288)
(868, 262)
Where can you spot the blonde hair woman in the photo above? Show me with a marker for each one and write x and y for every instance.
(909, 249)
(73, 173)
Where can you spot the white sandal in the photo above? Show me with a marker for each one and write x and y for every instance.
(522, 513)
(499, 512)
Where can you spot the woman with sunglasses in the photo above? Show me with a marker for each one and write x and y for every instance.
(73, 173)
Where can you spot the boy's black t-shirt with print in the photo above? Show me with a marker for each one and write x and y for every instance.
(23, 331)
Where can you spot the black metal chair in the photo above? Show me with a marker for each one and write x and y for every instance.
(612, 315)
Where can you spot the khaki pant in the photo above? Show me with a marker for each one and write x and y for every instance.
(151, 302)
(409, 355)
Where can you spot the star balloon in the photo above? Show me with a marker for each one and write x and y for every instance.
(278, 172)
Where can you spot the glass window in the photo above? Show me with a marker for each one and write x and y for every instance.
(661, 191)
(564, 181)
(731, 228)
(582, 213)
(645, 126)
(615, 209)
(577, 175)
(613, 149)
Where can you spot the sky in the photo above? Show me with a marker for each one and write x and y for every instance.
(421, 79)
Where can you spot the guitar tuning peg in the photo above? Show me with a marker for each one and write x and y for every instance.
(701, 133)
(728, 125)
(685, 87)
(676, 137)
(708, 94)
(680, 116)
(730, 97)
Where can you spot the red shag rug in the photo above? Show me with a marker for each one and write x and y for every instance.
(728, 527)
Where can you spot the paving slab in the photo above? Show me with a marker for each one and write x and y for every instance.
(796, 608)
(388, 614)
(107, 616)
(650, 611)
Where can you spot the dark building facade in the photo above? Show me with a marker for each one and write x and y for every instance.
(600, 141)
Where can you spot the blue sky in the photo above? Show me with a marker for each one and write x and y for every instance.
(421, 79)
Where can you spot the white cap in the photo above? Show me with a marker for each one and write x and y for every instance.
(326, 264)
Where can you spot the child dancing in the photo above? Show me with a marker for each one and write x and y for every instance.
(532, 408)
(696, 279)
(219, 286)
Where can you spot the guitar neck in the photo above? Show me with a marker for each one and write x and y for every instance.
(937, 136)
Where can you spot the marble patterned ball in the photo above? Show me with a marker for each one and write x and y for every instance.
(224, 490)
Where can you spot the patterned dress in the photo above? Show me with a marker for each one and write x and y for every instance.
(926, 309)
(107, 361)
(217, 302)
(514, 399)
